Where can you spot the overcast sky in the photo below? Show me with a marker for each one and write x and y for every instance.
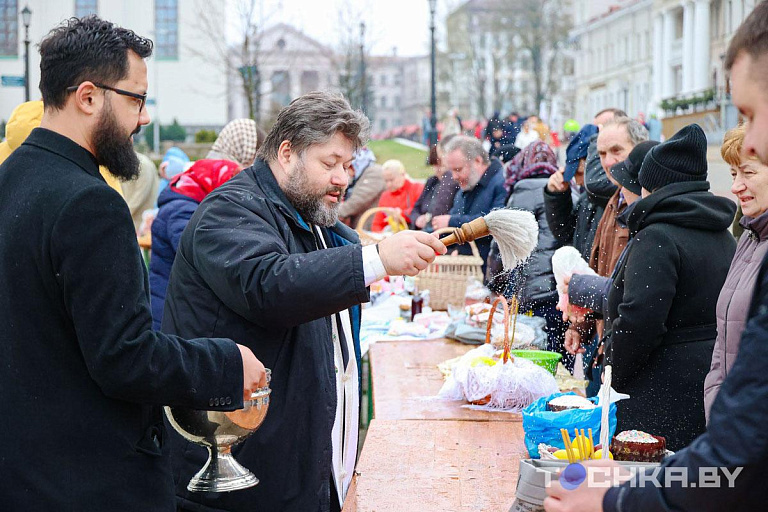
(403, 24)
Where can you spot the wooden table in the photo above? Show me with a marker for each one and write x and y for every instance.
(405, 377)
(437, 466)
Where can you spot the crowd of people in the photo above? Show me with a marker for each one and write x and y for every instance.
(254, 264)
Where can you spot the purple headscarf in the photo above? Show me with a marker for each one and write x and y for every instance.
(535, 161)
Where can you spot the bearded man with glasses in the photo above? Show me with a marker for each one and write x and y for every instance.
(82, 373)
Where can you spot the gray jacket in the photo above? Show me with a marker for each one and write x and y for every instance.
(733, 302)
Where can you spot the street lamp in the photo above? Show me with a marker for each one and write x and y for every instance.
(26, 16)
(433, 117)
(363, 98)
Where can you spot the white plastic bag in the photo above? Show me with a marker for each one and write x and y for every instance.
(565, 262)
(511, 386)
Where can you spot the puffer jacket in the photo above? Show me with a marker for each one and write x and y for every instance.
(733, 303)
(176, 205)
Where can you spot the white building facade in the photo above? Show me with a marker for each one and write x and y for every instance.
(290, 64)
(694, 36)
(186, 81)
(639, 54)
(613, 57)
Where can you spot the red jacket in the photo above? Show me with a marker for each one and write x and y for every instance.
(404, 198)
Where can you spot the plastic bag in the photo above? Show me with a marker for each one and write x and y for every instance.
(567, 261)
(511, 386)
(543, 426)
(476, 292)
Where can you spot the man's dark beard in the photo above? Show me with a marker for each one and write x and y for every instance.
(114, 150)
(309, 203)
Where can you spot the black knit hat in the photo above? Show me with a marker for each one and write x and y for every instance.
(681, 158)
(626, 172)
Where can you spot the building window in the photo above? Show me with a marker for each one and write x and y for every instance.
(679, 24)
(383, 80)
(398, 79)
(310, 81)
(167, 29)
(281, 88)
(85, 7)
(9, 28)
(383, 102)
(383, 125)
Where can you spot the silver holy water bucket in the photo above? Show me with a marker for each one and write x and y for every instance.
(218, 431)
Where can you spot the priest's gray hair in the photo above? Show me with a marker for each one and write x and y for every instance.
(313, 119)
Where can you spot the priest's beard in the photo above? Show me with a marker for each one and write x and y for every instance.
(114, 150)
(311, 203)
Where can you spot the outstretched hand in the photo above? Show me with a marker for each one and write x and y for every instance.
(409, 252)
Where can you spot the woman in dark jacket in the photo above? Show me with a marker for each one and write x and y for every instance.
(661, 325)
(533, 283)
(177, 203)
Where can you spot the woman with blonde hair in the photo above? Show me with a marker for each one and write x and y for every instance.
(750, 186)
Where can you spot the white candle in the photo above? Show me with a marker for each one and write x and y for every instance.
(605, 402)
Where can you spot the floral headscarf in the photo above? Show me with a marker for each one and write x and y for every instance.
(535, 161)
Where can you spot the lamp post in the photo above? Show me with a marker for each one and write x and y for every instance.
(363, 85)
(26, 16)
(433, 99)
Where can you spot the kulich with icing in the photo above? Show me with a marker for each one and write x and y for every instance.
(638, 446)
(565, 402)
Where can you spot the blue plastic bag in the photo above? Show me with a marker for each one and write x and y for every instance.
(543, 426)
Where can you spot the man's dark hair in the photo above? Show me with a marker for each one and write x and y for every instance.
(751, 36)
(85, 49)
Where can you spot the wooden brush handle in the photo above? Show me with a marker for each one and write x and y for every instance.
(467, 232)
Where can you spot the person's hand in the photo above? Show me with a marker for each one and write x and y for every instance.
(441, 221)
(602, 474)
(573, 341)
(566, 282)
(254, 374)
(409, 252)
(162, 168)
(575, 314)
(556, 182)
(421, 221)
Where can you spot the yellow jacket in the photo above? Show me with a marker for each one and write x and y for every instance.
(25, 118)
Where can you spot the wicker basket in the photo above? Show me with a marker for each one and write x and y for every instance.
(446, 277)
(368, 237)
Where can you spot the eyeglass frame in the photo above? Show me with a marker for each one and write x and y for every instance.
(123, 92)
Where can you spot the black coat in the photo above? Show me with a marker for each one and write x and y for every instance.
(534, 283)
(82, 374)
(661, 309)
(735, 438)
(247, 267)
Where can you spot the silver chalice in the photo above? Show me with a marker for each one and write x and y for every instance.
(218, 431)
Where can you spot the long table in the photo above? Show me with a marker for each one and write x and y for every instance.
(428, 455)
(405, 380)
(437, 466)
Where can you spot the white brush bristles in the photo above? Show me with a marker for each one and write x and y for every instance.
(516, 232)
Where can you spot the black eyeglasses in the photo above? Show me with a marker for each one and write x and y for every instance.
(141, 97)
